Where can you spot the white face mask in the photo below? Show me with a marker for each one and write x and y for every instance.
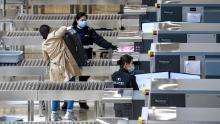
(131, 69)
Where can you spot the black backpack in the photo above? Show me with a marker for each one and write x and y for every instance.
(75, 46)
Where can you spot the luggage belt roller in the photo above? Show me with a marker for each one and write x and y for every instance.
(73, 122)
(34, 37)
(27, 67)
(47, 91)
(99, 67)
(109, 21)
(39, 67)
(37, 90)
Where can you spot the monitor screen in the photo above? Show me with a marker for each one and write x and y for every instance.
(183, 76)
(148, 27)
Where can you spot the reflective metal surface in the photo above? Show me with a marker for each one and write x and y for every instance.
(117, 96)
(186, 86)
(189, 2)
(202, 93)
(189, 115)
(135, 9)
(197, 27)
(113, 120)
(207, 48)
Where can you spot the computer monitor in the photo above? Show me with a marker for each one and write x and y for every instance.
(183, 76)
(148, 27)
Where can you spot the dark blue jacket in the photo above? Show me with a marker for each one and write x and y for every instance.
(123, 79)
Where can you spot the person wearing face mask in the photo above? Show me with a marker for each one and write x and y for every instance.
(88, 36)
(63, 65)
(124, 78)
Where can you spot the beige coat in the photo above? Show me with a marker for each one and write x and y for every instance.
(62, 64)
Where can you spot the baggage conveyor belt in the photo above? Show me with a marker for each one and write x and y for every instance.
(108, 21)
(39, 67)
(99, 67)
(38, 90)
(47, 91)
(27, 67)
(34, 37)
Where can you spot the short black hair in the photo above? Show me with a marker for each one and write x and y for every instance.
(44, 31)
(124, 59)
(78, 16)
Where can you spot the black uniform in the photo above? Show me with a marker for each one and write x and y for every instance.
(88, 37)
(75, 46)
(123, 79)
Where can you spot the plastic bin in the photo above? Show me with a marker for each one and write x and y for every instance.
(10, 56)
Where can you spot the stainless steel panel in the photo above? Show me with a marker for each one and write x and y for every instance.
(203, 100)
(112, 120)
(18, 95)
(136, 9)
(117, 96)
(204, 48)
(201, 38)
(186, 86)
(184, 114)
(197, 2)
(180, 122)
(95, 95)
(190, 27)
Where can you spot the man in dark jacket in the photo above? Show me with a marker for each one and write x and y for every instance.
(88, 36)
